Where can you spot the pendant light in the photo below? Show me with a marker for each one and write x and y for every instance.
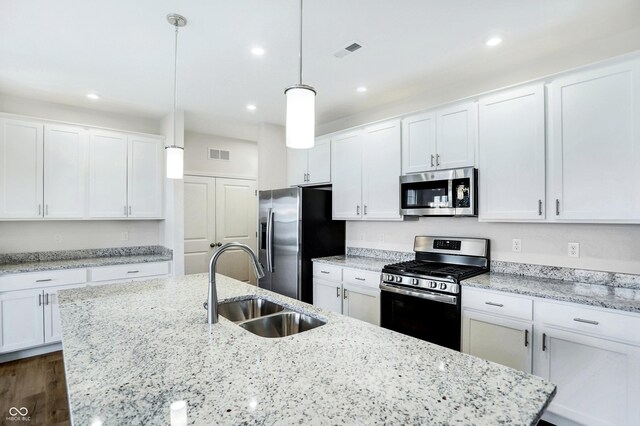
(175, 153)
(301, 109)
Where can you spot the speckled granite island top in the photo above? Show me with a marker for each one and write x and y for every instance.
(130, 350)
(355, 262)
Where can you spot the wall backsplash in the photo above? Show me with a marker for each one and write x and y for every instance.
(613, 248)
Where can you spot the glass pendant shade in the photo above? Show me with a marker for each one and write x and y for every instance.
(175, 161)
(301, 113)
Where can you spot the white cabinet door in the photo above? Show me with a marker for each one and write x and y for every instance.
(21, 319)
(595, 144)
(598, 380)
(319, 162)
(65, 166)
(20, 169)
(512, 144)
(496, 339)
(146, 177)
(457, 132)
(296, 166)
(361, 302)
(419, 143)
(52, 327)
(381, 171)
(107, 174)
(327, 295)
(346, 174)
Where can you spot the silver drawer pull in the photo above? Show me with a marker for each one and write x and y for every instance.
(499, 305)
(360, 279)
(132, 272)
(325, 272)
(44, 281)
(586, 321)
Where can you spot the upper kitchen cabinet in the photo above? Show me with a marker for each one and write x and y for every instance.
(594, 144)
(512, 142)
(107, 174)
(310, 166)
(346, 172)
(441, 139)
(145, 177)
(65, 160)
(21, 169)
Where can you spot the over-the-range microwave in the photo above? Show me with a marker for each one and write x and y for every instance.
(450, 192)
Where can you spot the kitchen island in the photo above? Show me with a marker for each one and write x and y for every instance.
(132, 349)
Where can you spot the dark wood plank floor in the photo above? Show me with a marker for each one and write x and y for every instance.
(37, 383)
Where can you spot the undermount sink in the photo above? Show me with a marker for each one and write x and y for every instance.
(244, 310)
(265, 318)
(282, 324)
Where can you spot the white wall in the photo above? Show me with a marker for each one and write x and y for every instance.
(243, 156)
(272, 157)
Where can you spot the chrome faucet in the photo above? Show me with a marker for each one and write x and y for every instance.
(212, 300)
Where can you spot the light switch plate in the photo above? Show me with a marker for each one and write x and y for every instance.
(573, 250)
(516, 245)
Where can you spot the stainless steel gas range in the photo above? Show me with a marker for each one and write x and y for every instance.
(421, 297)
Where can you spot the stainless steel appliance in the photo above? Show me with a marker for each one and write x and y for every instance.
(295, 226)
(440, 193)
(421, 297)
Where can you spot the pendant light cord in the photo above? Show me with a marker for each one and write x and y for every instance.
(300, 56)
(175, 86)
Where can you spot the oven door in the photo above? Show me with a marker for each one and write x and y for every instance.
(426, 315)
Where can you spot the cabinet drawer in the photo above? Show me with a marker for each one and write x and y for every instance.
(497, 303)
(42, 279)
(130, 271)
(360, 277)
(327, 272)
(608, 324)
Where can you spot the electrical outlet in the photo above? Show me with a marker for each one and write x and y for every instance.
(516, 245)
(574, 250)
(125, 236)
(57, 238)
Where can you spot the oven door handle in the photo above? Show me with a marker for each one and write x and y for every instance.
(452, 300)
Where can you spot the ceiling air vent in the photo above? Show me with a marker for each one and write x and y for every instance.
(347, 50)
(218, 154)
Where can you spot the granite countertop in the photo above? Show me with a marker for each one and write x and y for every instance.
(356, 262)
(75, 259)
(130, 350)
(604, 296)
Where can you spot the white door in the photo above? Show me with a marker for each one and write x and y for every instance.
(502, 341)
(595, 144)
(419, 143)
(199, 223)
(107, 174)
(598, 380)
(346, 175)
(21, 169)
(296, 166)
(511, 150)
(319, 162)
(457, 133)
(362, 303)
(327, 295)
(145, 177)
(21, 319)
(52, 326)
(65, 167)
(236, 221)
(381, 171)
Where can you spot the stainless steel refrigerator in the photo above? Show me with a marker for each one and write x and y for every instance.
(295, 226)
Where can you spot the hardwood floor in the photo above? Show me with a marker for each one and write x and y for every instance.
(38, 384)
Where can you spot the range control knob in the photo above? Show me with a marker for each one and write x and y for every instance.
(398, 279)
(414, 281)
(433, 284)
(443, 286)
(390, 278)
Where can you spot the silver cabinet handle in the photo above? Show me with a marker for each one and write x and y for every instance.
(337, 291)
(432, 158)
(324, 272)
(44, 281)
(539, 207)
(344, 293)
(39, 209)
(557, 207)
(40, 300)
(46, 209)
(46, 298)
(360, 279)
(437, 159)
(358, 210)
(499, 305)
(526, 338)
(586, 321)
(132, 272)
(129, 210)
(308, 177)
(125, 210)
(544, 342)
(365, 209)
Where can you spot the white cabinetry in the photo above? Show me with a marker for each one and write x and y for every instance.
(145, 177)
(365, 173)
(52, 326)
(327, 294)
(441, 139)
(21, 168)
(594, 143)
(310, 166)
(512, 142)
(107, 174)
(21, 319)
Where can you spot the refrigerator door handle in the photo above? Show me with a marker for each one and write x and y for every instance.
(270, 241)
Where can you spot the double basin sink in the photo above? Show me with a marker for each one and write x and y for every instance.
(266, 318)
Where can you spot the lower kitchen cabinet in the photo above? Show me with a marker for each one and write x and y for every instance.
(327, 295)
(52, 326)
(361, 302)
(21, 320)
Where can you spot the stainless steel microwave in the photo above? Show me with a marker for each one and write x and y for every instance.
(450, 192)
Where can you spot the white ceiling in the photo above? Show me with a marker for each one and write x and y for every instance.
(123, 49)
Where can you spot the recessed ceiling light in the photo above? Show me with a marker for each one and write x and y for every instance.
(258, 51)
(251, 107)
(361, 89)
(93, 96)
(494, 41)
